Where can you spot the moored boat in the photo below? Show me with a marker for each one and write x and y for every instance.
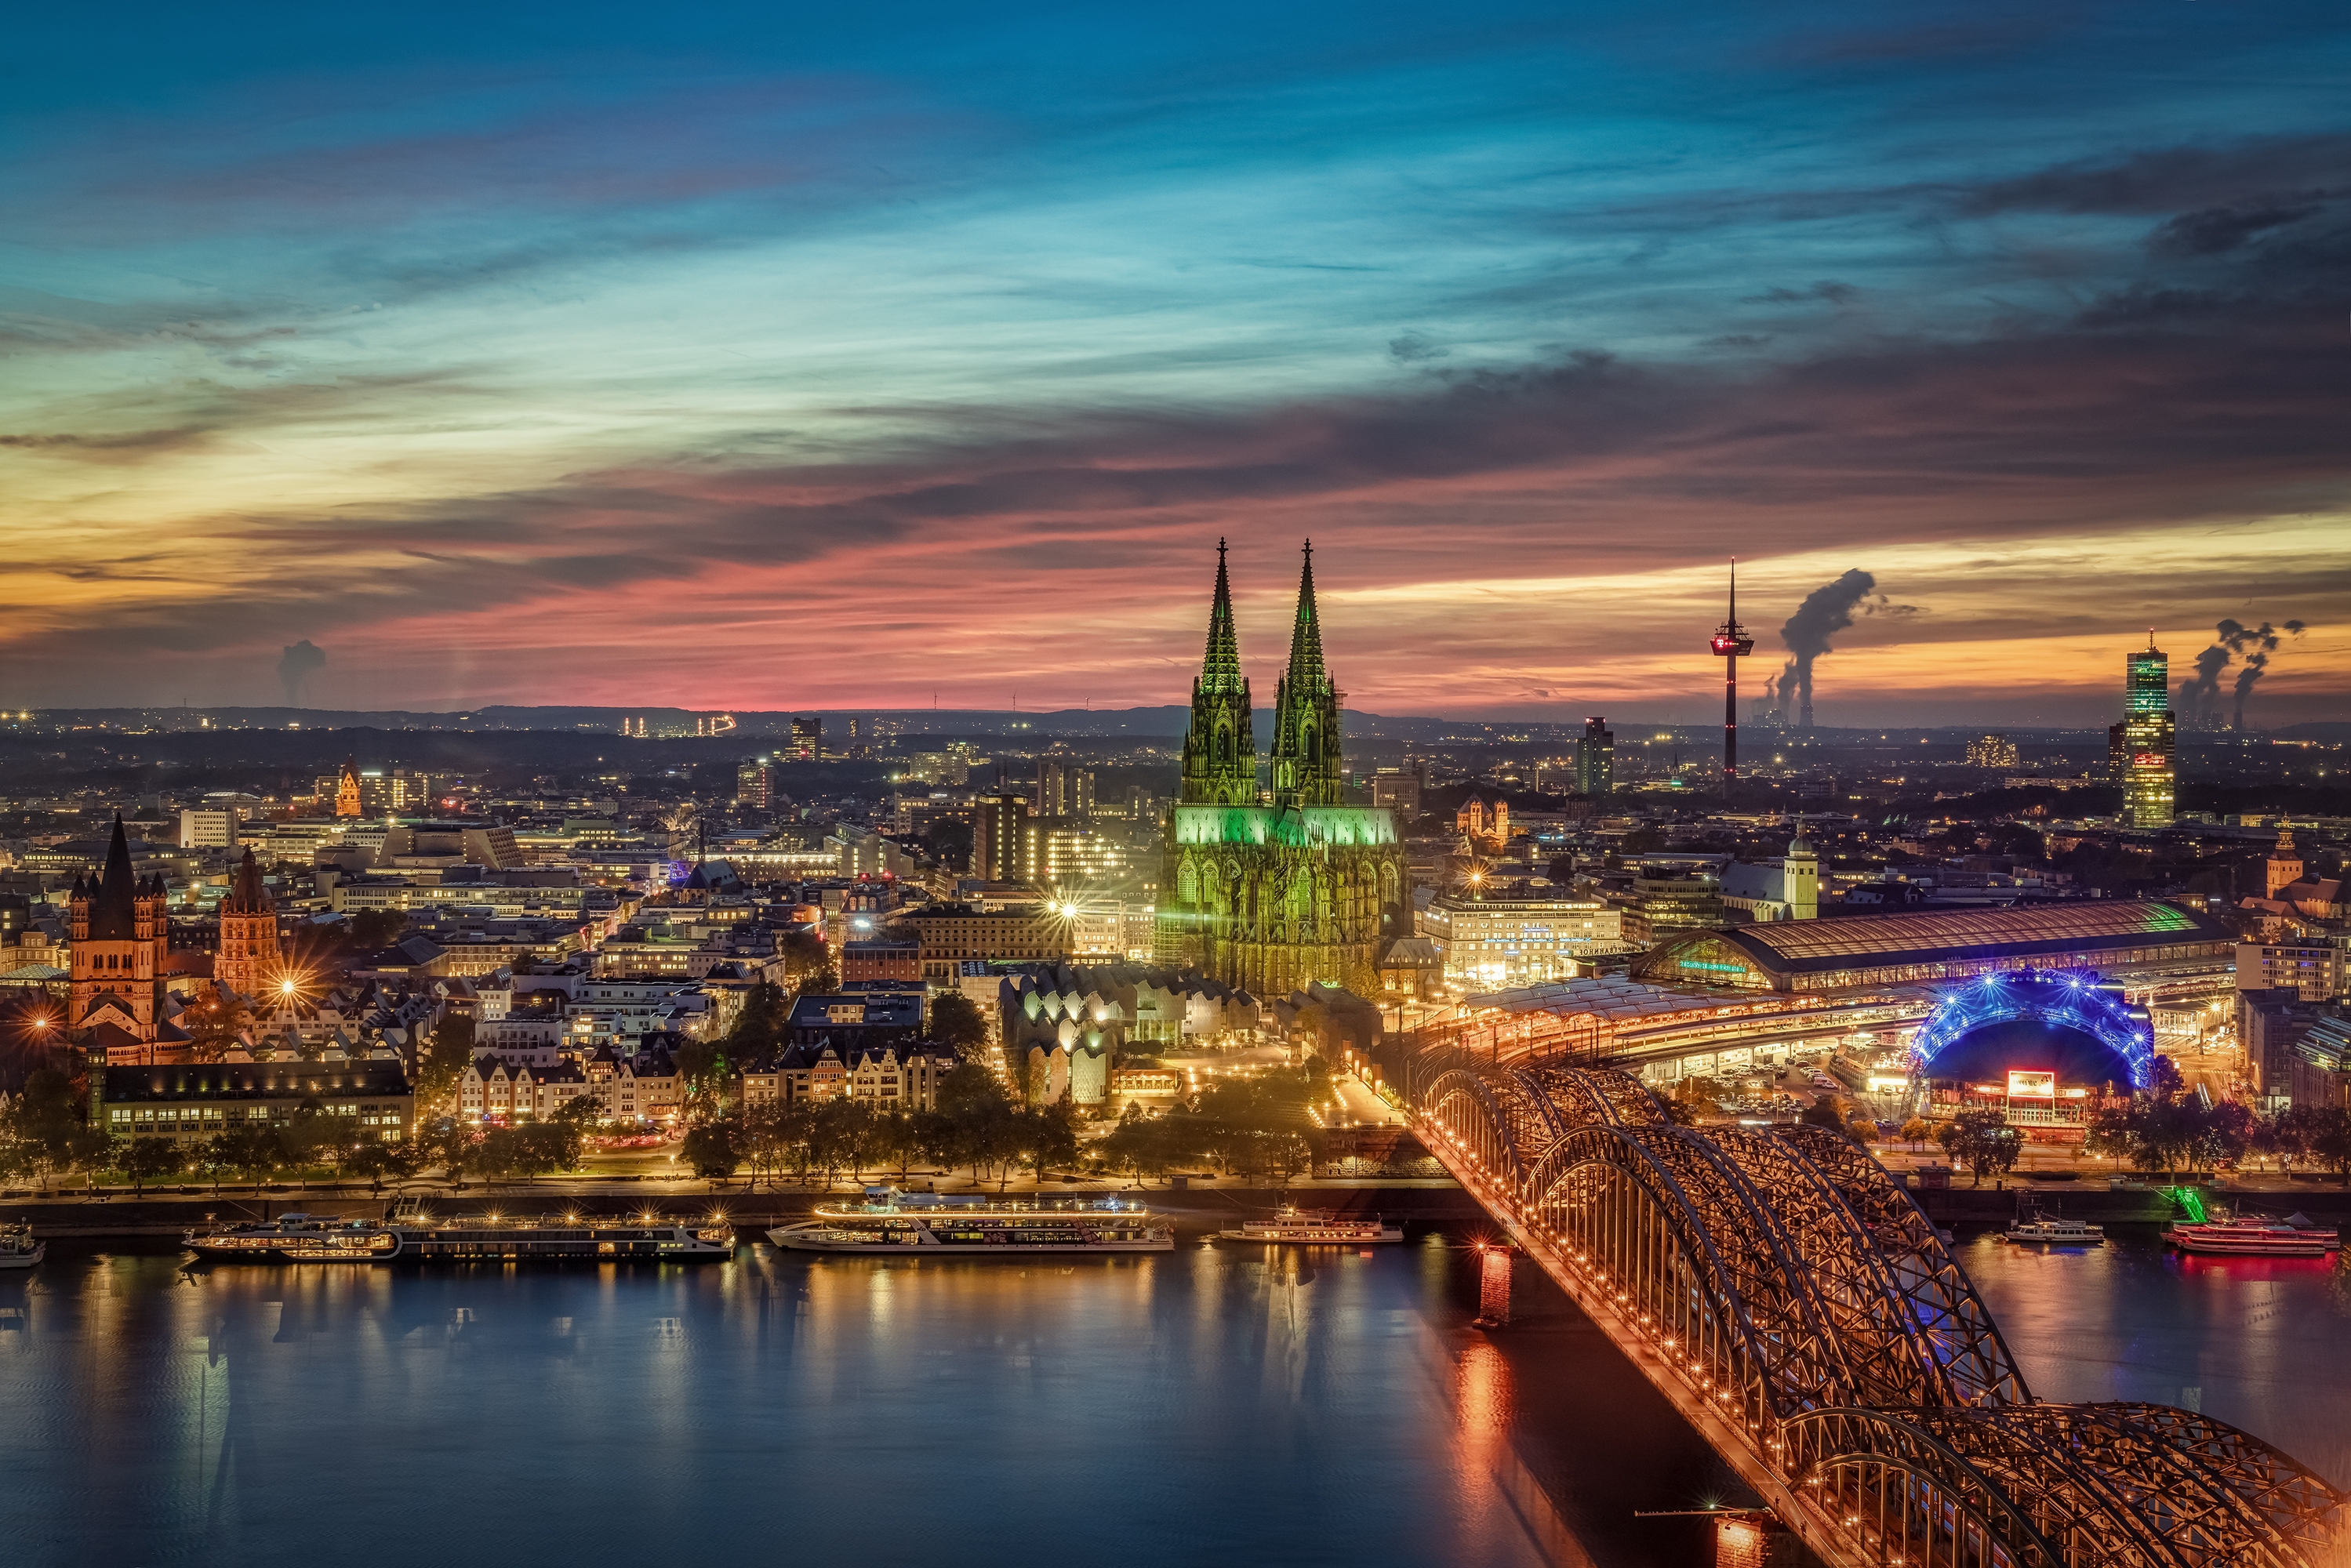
(19, 1247)
(1297, 1227)
(2293, 1236)
(2052, 1230)
(415, 1235)
(298, 1238)
(932, 1225)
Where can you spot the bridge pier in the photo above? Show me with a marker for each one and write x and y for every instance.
(1758, 1540)
(1493, 1288)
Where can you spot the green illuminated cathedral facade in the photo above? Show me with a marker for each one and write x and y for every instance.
(1269, 892)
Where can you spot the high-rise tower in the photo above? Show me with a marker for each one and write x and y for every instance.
(1306, 728)
(1219, 748)
(2142, 743)
(1730, 645)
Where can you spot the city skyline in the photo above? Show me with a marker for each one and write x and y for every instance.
(500, 367)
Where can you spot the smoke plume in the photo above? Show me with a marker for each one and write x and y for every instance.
(2199, 697)
(1826, 610)
(296, 666)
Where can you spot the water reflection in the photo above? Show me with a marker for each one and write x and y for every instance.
(2258, 1343)
(1215, 1402)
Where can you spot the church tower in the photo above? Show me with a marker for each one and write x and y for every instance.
(347, 789)
(2284, 867)
(120, 936)
(1306, 731)
(249, 955)
(1220, 748)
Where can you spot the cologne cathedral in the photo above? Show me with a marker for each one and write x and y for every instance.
(1267, 892)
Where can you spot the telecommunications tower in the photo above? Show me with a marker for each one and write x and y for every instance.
(1731, 644)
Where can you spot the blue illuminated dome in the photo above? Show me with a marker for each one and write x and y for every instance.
(2070, 1020)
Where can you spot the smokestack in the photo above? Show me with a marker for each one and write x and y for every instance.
(1825, 611)
(295, 667)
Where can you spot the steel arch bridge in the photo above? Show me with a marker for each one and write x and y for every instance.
(1799, 1308)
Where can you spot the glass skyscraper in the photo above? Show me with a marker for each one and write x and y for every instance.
(2141, 745)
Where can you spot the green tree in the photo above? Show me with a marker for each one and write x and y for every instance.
(957, 1020)
(43, 1121)
(152, 1159)
(214, 1025)
(712, 1149)
(1982, 1140)
(443, 1063)
(2330, 1140)
(1050, 1138)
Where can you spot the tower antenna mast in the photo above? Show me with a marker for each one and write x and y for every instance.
(1730, 645)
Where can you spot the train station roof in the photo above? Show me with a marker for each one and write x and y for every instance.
(1876, 948)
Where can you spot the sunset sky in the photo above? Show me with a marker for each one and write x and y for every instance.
(823, 357)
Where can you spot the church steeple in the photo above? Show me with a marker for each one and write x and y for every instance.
(1219, 748)
(1306, 728)
(1220, 671)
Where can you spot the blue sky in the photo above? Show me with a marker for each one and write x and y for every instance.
(781, 356)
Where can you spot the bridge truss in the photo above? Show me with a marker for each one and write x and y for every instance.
(1799, 1307)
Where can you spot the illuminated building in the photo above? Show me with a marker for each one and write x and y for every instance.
(1063, 791)
(1731, 644)
(1667, 901)
(807, 739)
(1490, 944)
(347, 789)
(1397, 789)
(2147, 943)
(2140, 746)
(1991, 751)
(250, 957)
(1788, 888)
(755, 783)
(1595, 760)
(1268, 898)
(999, 837)
(2284, 866)
(1489, 826)
(121, 937)
(208, 829)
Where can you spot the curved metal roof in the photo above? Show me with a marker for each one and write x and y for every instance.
(1872, 941)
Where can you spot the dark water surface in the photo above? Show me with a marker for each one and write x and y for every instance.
(2263, 1344)
(1212, 1405)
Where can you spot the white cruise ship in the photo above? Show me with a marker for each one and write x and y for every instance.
(1315, 1228)
(932, 1225)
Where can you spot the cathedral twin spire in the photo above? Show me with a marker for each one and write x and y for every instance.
(1220, 748)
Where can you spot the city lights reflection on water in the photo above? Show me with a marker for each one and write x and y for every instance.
(1234, 1402)
(1243, 1403)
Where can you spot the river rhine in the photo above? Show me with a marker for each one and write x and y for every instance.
(1217, 1403)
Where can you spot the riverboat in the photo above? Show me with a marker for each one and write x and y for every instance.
(2293, 1237)
(936, 1225)
(298, 1238)
(2049, 1229)
(1295, 1226)
(19, 1247)
(413, 1236)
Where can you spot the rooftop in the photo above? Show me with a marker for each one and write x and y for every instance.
(1840, 942)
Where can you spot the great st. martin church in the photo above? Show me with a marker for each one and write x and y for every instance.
(1269, 896)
